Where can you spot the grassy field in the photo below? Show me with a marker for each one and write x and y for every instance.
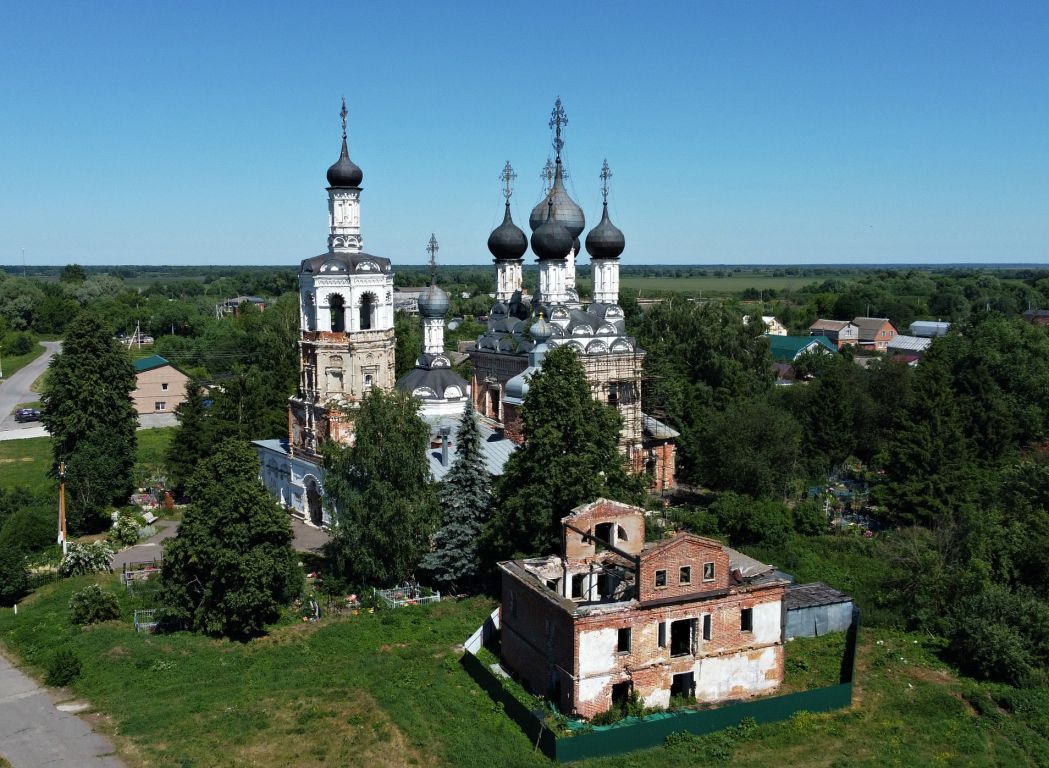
(26, 462)
(732, 283)
(14, 363)
(387, 690)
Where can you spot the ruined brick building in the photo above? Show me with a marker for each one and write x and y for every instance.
(610, 615)
(503, 358)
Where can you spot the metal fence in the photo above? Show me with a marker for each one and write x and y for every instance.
(146, 621)
(653, 730)
(409, 594)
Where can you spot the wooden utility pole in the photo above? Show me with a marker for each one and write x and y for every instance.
(62, 506)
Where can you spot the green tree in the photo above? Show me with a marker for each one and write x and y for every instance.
(193, 440)
(87, 395)
(385, 506)
(72, 273)
(96, 479)
(570, 456)
(409, 342)
(231, 568)
(466, 500)
(750, 447)
(14, 575)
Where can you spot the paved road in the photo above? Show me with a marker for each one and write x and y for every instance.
(150, 549)
(34, 734)
(16, 389)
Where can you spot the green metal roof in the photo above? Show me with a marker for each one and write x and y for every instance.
(149, 363)
(787, 349)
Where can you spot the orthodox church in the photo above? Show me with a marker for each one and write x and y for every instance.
(520, 332)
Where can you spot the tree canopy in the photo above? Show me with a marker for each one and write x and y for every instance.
(570, 456)
(231, 568)
(384, 503)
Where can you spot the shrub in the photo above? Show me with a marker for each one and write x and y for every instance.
(86, 558)
(125, 531)
(752, 521)
(22, 344)
(14, 576)
(91, 605)
(809, 518)
(63, 668)
(30, 529)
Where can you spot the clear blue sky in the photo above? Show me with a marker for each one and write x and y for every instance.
(738, 132)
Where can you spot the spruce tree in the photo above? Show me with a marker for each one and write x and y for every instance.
(231, 568)
(385, 506)
(466, 500)
(87, 407)
(193, 440)
(570, 456)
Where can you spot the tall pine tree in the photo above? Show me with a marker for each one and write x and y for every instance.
(570, 456)
(466, 500)
(87, 408)
(193, 440)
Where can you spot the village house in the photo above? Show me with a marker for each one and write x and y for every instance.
(875, 333)
(1036, 316)
(841, 332)
(773, 327)
(787, 349)
(232, 306)
(611, 615)
(159, 386)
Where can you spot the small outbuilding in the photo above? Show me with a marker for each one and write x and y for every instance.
(813, 610)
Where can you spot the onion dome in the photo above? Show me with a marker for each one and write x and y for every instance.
(565, 210)
(551, 240)
(433, 302)
(345, 172)
(575, 247)
(541, 330)
(507, 242)
(605, 241)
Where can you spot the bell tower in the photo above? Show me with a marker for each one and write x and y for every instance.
(346, 339)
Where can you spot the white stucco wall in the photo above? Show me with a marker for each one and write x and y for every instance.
(597, 651)
(740, 673)
(767, 627)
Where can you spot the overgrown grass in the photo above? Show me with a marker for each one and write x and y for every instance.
(387, 689)
(12, 364)
(27, 462)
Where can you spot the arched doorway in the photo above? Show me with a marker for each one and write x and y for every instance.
(314, 502)
(338, 313)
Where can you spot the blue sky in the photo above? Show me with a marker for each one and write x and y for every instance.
(738, 132)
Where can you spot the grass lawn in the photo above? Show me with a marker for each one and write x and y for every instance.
(387, 689)
(733, 283)
(11, 364)
(26, 462)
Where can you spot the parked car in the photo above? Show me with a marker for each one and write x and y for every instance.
(27, 414)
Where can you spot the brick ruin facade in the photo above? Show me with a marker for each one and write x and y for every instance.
(613, 615)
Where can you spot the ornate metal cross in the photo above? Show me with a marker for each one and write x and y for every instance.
(342, 114)
(507, 177)
(606, 174)
(558, 118)
(432, 248)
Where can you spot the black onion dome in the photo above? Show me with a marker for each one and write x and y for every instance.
(566, 212)
(551, 240)
(507, 242)
(345, 172)
(433, 302)
(605, 241)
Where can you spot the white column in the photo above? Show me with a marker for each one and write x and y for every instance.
(433, 335)
(570, 270)
(508, 279)
(606, 281)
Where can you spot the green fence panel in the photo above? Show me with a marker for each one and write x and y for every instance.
(645, 734)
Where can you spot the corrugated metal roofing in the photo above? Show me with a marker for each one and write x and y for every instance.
(786, 349)
(817, 593)
(149, 363)
(929, 328)
(495, 448)
(909, 343)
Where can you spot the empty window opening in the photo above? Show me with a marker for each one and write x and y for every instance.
(623, 640)
(662, 633)
(338, 313)
(606, 585)
(164, 386)
(708, 571)
(684, 685)
(577, 586)
(603, 532)
(493, 403)
(554, 584)
(707, 628)
(621, 694)
(685, 575)
(661, 579)
(613, 394)
(367, 311)
(681, 637)
(746, 620)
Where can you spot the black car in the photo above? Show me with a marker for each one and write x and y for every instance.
(27, 414)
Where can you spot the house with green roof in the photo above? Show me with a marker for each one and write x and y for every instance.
(787, 349)
(159, 386)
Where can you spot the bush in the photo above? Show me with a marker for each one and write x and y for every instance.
(91, 606)
(125, 531)
(31, 530)
(1002, 635)
(14, 576)
(63, 668)
(752, 521)
(809, 518)
(22, 344)
(81, 559)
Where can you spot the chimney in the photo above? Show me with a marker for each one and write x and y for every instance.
(445, 432)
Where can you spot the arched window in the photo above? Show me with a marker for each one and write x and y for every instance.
(367, 311)
(338, 313)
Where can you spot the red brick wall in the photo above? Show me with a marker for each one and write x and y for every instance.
(683, 551)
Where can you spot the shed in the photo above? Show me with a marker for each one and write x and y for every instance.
(815, 609)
